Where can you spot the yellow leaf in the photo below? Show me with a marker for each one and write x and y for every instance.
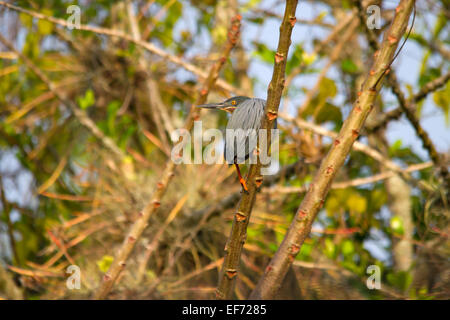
(357, 203)
(105, 263)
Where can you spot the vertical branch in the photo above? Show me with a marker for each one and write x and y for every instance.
(407, 107)
(140, 224)
(236, 240)
(300, 227)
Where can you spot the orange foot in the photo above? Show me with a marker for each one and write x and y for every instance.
(243, 184)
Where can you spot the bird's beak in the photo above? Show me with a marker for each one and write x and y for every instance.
(221, 106)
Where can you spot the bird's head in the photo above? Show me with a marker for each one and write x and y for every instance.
(228, 105)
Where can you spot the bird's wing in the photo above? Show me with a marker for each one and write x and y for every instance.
(244, 123)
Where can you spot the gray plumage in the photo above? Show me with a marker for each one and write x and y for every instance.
(242, 128)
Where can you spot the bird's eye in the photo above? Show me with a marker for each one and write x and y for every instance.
(233, 102)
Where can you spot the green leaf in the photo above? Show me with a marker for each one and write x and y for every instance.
(442, 99)
(401, 280)
(329, 112)
(397, 225)
(429, 75)
(347, 247)
(327, 89)
(105, 263)
(45, 27)
(305, 251)
(349, 66)
(395, 146)
(330, 248)
(31, 47)
(264, 53)
(357, 203)
(296, 59)
(26, 20)
(86, 101)
(113, 107)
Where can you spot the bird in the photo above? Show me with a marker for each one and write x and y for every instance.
(246, 115)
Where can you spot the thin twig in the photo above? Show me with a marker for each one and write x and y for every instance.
(119, 34)
(319, 48)
(394, 114)
(349, 183)
(358, 146)
(334, 56)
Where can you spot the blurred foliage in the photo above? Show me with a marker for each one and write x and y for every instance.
(64, 190)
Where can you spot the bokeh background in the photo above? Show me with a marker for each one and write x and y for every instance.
(68, 200)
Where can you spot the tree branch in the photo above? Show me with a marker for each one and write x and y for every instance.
(422, 94)
(233, 249)
(407, 107)
(300, 227)
(350, 183)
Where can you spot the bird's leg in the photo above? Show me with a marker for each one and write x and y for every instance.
(241, 180)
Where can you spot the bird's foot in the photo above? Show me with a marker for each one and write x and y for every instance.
(244, 185)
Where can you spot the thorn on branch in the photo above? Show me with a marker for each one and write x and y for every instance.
(294, 249)
(271, 115)
(258, 181)
(156, 204)
(278, 57)
(240, 216)
(231, 274)
(302, 215)
(292, 21)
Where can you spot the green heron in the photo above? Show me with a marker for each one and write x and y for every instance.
(244, 123)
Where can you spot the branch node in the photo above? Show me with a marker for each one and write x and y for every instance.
(240, 216)
(392, 40)
(231, 273)
(294, 249)
(258, 181)
(292, 21)
(279, 57)
(156, 204)
(271, 115)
